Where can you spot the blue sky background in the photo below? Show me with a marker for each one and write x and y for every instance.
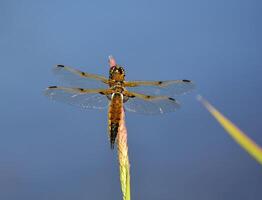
(54, 151)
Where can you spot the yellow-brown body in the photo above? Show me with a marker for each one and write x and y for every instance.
(116, 79)
(114, 114)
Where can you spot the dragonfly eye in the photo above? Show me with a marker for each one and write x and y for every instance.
(111, 71)
(116, 70)
(121, 70)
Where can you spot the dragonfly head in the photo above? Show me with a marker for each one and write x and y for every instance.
(117, 73)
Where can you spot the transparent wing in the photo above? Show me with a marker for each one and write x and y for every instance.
(76, 78)
(146, 104)
(84, 98)
(167, 88)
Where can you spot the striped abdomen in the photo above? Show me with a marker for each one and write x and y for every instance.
(114, 114)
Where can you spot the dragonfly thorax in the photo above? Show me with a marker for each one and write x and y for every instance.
(118, 88)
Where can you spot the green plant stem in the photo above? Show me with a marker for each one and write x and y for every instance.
(124, 166)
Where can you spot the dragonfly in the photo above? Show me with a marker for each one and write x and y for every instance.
(88, 90)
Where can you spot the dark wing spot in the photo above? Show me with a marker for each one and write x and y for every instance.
(160, 82)
(102, 93)
(132, 96)
(148, 97)
(81, 89)
(172, 99)
(60, 66)
(188, 81)
(83, 73)
(51, 87)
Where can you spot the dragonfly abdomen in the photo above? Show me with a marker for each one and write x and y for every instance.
(114, 115)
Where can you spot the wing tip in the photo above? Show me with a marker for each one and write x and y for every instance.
(52, 87)
(191, 84)
(49, 91)
(60, 66)
(178, 105)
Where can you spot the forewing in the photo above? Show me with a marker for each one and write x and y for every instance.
(84, 98)
(77, 78)
(167, 88)
(146, 104)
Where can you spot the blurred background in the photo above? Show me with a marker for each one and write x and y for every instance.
(50, 150)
